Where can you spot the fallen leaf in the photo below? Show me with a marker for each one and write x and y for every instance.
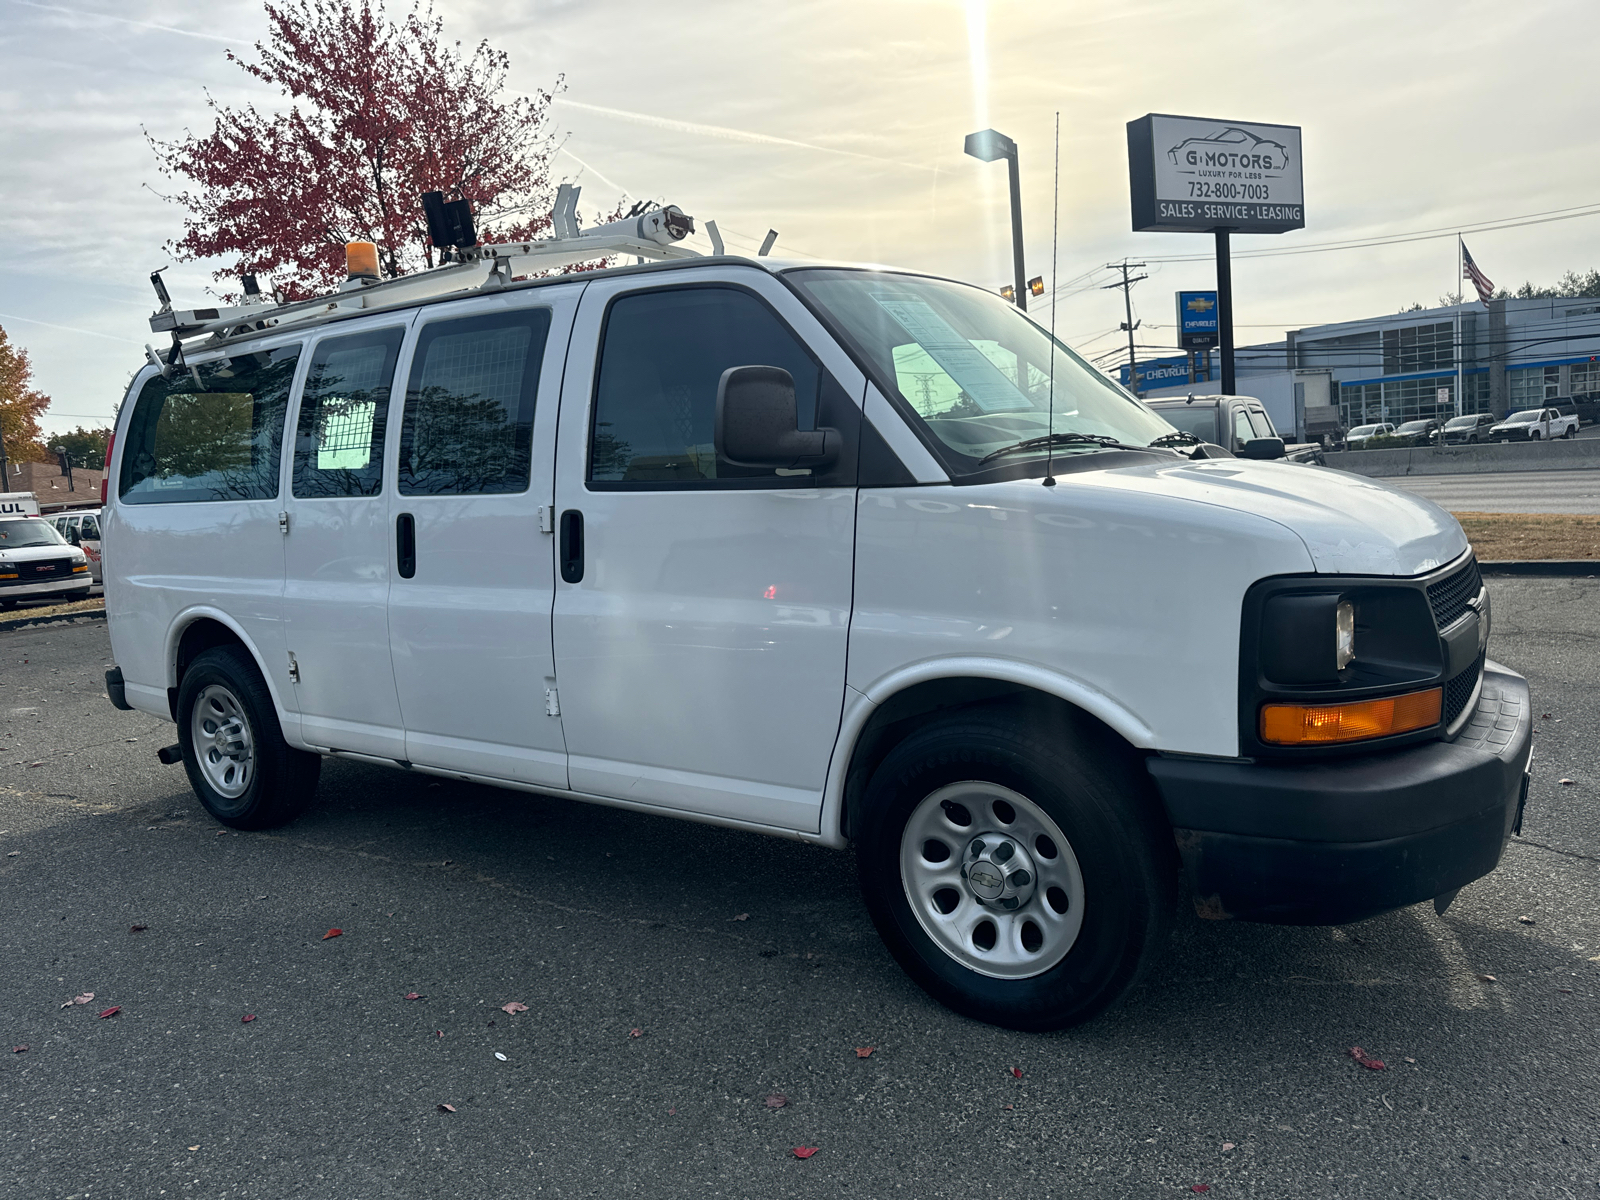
(19, 1049)
(1524, 920)
(1544, 716)
(1361, 1056)
(1016, 1072)
(1409, 1059)
(1226, 1146)
(222, 833)
(1565, 991)
(194, 1147)
(746, 916)
(633, 1033)
(37, 764)
(776, 1101)
(1487, 979)
(83, 999)
(804, 1151)
(111, 1012)
(137, 928)
(514, 1007)
(1200, 1187)
(500, 1056)
(13, 853)
(865, 1051)
(1008, 1108)
(1566, 782)
(447, 1108)
(438, 1033)
(413, 995)
(247, 1018)
(332, 933)
(672, 1112)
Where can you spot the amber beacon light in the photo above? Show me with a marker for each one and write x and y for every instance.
(1329, 724)
(361, 260)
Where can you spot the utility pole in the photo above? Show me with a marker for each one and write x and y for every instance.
(1126, 284)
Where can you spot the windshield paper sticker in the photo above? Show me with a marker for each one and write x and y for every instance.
(974, 374)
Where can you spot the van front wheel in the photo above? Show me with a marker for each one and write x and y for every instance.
(245, 774)
(1018, 878)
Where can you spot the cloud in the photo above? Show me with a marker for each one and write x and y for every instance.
(99, 16)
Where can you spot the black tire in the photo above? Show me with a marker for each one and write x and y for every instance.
(1095, 790)
(1533, 435)
(283, 780)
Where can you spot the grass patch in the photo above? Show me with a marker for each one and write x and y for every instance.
(1499, 536)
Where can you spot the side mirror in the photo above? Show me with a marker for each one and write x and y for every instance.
(758, 426)
(1262, 448)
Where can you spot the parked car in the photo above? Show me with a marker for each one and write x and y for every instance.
(82, 529)
(786, 547)
(1239, 424)
(1357, 438)
(1419, 433)
(37, 563)
(1468, 430)
(1534, 424)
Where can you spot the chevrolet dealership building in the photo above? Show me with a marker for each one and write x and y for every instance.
(1515, 354)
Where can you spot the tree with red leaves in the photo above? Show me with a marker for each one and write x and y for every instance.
(380, 111)
(21, 406)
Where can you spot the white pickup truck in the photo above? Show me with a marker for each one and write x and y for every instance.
(1532, 424)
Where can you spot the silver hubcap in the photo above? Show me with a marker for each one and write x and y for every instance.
(992, 880)
(222, 742)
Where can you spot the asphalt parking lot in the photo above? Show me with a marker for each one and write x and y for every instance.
(748, 968)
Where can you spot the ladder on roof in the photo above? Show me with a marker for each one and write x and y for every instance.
(470, 266)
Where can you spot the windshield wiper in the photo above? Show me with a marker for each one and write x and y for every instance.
(1060, 439)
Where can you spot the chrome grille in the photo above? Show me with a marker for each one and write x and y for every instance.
(1453, 595)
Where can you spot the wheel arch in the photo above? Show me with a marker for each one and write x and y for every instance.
(197, 630)
(886, 712)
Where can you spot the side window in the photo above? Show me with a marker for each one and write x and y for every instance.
(338, 445)
(1242, 432)
(1259, 422)
(468, 425)
(90, 528)
(212, 433)
(661, 358)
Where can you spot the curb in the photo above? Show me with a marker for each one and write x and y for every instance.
(93, 614)
(1549, 567)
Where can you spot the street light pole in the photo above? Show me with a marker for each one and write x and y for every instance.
(988, 146)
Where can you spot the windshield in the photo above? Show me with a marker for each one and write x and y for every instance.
(974, 369)
(1363, 430)
(15, 535)
(1461, 423)
(1198, 419)
(1525, 418)
(1413, 426)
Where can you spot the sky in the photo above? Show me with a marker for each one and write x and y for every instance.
(840, 125)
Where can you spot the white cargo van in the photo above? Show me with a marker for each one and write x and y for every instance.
(847, 555)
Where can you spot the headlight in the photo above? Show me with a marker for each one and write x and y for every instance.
(1344, 634)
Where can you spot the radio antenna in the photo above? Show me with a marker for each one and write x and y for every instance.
(1055, 229)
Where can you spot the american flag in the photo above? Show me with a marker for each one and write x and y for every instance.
(1479, 279)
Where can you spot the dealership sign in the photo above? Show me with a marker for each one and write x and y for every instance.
(1192, 175)
(1197, 320)
(1164, 372)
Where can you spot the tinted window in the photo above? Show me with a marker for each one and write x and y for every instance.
(662, 357)
(338, 448)
(212, 433)
(1262, 426)
(468, 424)
(1199, 419)
(90, 528)
(1241, 427)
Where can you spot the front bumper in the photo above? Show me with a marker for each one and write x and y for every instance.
(1325, 843)
(65, 585)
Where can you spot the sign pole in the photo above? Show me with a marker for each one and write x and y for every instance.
(1225, 310)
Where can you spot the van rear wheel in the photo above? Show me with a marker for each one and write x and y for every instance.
(245, 774)
(1019, 878)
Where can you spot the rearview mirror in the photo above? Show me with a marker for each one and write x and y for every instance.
(758, 424)
(1262, 448)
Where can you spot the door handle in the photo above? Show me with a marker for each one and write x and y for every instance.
(572, 546)
(405, 545)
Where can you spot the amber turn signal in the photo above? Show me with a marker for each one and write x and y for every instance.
(1326, 724)
(361, 260)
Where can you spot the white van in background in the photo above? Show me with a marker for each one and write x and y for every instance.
(840, 554)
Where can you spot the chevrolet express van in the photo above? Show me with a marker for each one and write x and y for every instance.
(848, 555)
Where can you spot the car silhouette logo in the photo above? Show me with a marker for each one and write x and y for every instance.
(1233, 147)
(1200, 305)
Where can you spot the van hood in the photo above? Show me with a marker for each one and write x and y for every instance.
(22, 554)
(1351, 525)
